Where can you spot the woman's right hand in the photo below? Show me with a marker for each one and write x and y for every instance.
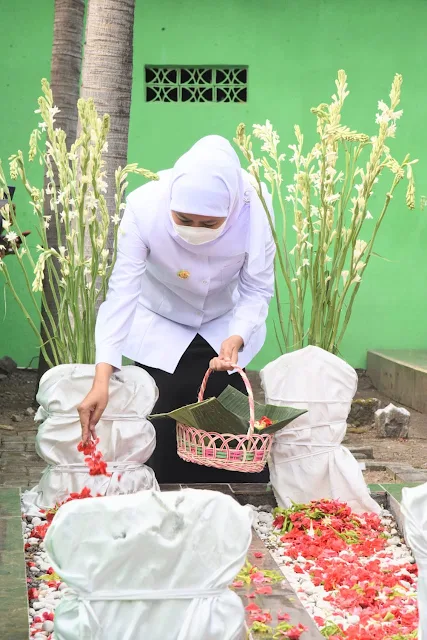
(91, 410)
(93, 406)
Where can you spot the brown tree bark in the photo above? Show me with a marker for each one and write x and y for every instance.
(107, 77)
(65, 83)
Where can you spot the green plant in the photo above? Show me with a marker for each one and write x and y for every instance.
(323, 264)
(80, 264)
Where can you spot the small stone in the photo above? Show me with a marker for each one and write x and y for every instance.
(393, 541)
(62, 586)
(265, 518)
(38, 605)
(7, 365)
(48, 626)
(362, 413)
(29, 411)
(308, 587)
(392, 422)
(34, 569)
(16, 418)
(35, 521)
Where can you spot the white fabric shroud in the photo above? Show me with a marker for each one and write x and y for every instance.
(307, 460)
(414, 511)
(127, 438)
(151, 566)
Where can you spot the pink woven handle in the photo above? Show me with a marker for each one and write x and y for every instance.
(248, 389)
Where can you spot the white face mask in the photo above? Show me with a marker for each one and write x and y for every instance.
(197, 235)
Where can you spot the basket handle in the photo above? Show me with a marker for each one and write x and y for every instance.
(248, 389)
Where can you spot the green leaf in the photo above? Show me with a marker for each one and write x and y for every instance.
(49, 576)
(236, 402)
(229, 413)
(209, 415)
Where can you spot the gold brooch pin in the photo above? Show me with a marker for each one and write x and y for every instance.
(184, 275)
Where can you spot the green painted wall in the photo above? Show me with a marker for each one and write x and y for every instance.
(293, 50)
(26, 48)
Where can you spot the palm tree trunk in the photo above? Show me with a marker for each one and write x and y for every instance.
(65, 82)
(107, 77)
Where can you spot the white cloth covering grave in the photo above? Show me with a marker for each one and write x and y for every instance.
(150, 565)
(127, 438)
(308, 461)
(414, 511)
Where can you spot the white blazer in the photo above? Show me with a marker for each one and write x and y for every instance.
(161, 295)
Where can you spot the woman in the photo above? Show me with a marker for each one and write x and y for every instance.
(190, 289)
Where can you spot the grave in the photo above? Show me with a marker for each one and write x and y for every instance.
(13, 588)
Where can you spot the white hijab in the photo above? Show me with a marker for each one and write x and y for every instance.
(208, 180)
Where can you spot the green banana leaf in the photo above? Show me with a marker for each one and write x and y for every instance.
(229, 413)
(209, 415)
(236, 402)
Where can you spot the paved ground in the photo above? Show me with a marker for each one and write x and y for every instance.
(20, 466)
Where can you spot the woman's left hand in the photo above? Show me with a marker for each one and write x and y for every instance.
(229, 354)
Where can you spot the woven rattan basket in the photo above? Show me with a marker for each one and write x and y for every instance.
(246, 453)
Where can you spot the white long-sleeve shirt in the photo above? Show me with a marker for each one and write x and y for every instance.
(162, 295)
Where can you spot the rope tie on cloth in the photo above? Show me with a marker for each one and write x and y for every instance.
(81, 467)
(282, 441)
(42, 415)
(89, 621)
(327, 447)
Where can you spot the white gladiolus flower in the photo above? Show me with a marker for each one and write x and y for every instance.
(382, 118)
(43, 126)
(391, 131)
(11, 237)
(6, 224)
(333, 198)
(344, 275)
(369, 216)
(359, 249)
(91, 202)
(356, 278)
(305, 262)
(328, 259)
(115, 219)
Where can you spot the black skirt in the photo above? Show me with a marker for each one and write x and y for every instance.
(179, 389)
